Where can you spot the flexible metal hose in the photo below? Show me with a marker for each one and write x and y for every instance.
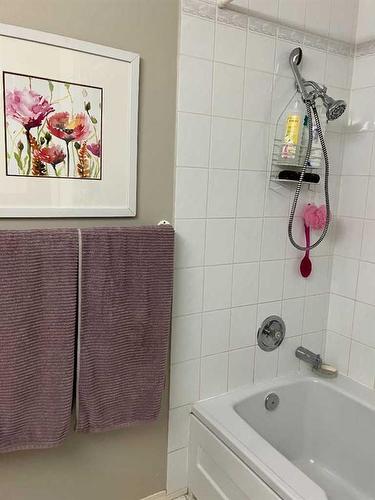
(312, 107)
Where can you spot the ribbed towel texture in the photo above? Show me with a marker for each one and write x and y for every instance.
(126, 296)
(103, 295)
(38, 302)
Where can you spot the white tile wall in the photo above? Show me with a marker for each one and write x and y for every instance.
(365, 26)
(214, 375)
(338, 351)
(195, 87)
(219, 241)
(362, 363)
(314, 20)
(191, 193)
(228, 90)
(254, 145)
(215, 332)
(243, 326)
(193, 132)
(234, 265)
(344, 19)
(247, 241)
(350, 342)
(260, 52)
(240, 367)
(222, 193)
(293, 12)
(225, 145)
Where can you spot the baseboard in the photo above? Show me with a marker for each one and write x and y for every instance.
(162, 495)
(177, 495)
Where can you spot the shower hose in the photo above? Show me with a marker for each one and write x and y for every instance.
(311, 106)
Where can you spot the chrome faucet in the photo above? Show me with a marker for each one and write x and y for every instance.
(316, 362)
(309, 357)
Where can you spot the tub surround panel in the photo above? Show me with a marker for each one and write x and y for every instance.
(234, 265)
(350, 339)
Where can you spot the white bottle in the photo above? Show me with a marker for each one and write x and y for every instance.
(316, 152)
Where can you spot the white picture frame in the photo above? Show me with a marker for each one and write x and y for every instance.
(75, 197)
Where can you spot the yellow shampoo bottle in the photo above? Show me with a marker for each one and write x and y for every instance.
(293, 130)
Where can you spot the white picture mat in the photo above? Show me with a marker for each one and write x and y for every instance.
(114, 195)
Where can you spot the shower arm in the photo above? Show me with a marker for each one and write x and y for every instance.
(318, 91)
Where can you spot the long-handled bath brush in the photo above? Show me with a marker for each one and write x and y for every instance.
(314, 218)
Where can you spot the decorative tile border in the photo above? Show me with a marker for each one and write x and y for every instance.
(316, 41)
(257, 25)
(340, 48)
(198, 8)
(207, 10)
(365, 48)
(236, 19)
(290, 35)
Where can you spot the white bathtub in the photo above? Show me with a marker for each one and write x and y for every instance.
(318, 444)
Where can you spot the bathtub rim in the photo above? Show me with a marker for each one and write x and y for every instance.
(218, 415)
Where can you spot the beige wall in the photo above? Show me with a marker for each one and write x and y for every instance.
(128, 464)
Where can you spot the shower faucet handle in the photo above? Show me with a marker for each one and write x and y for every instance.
(271, 333)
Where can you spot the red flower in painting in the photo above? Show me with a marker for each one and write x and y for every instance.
(68, 127)
(95, 148)
(27, 107)
(52, 155)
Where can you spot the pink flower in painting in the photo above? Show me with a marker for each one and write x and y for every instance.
(68, 127)
(53, 155)
(27, 107)
(95, 148)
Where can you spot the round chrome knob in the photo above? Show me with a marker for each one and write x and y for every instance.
(271, 333)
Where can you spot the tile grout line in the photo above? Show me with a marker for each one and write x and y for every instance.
(359, 258)
(207, 202)
(237, 196)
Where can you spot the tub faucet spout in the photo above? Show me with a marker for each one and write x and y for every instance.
(309, 357)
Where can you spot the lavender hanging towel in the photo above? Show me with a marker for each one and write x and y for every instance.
(126, 277)
(38, 301)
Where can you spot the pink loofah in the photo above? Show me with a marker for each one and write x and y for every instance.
(315, 217)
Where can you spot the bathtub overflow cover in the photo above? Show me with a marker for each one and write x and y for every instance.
(272, 401)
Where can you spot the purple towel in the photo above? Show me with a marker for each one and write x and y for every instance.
(126, 296)
(38, 297)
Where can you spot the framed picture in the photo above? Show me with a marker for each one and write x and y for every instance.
(68, 131)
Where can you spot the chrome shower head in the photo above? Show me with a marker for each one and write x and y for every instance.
(311, 90)
(334, 108)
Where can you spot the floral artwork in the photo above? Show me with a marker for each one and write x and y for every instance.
(53, 128)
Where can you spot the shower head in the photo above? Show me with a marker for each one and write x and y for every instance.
(334, 108)
(311, 90)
